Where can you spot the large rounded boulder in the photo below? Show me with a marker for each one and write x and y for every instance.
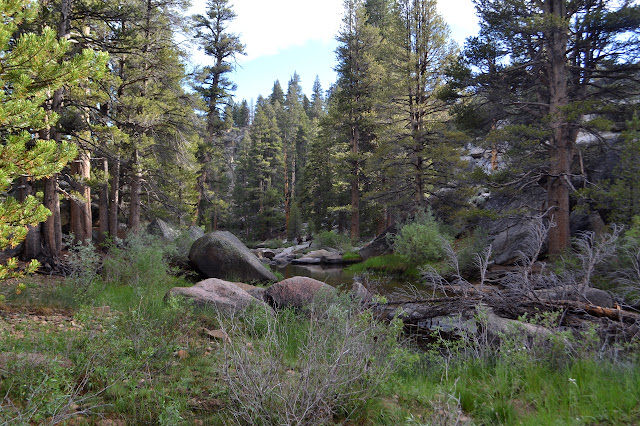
(222, 255)
(227, 297)
(296, 292)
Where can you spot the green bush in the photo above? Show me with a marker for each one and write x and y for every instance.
(421, 240)
(332, 239)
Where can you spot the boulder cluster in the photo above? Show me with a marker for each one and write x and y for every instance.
(228, 267)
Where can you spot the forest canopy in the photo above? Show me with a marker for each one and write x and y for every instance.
(544, 90)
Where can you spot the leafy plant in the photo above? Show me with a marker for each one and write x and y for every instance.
(333, 240)
(421, 240)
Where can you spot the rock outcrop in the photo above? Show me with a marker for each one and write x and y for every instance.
(381, 245)
(222, 255)
(162, 229)
(319, 257)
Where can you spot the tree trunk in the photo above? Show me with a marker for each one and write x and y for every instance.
(75, 206)
(355, 186)
(560, 152)
(52, 229)
(113, 197)
(81, 218)
(134, 199)
(287, 199)
(103, 203)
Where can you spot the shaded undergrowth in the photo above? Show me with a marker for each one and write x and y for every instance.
(122, 351)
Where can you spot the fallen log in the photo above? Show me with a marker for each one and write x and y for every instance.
(616, 314)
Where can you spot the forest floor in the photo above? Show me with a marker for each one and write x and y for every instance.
(105, 347)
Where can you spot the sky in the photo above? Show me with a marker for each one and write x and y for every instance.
(287, 36)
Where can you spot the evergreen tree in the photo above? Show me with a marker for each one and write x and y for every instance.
(32, 66)
(294, 131)
(544, 66)
(215, 87)
(317, 106)
(258, 189)
(414, 155)
(277, 95)
(223, 47)
(356, 95)
(145, 123)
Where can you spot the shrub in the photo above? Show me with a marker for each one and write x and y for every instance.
(332, 239)
(421, 240)
(308, 369)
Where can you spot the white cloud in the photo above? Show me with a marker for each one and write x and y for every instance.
(267, 27)
(461, 17)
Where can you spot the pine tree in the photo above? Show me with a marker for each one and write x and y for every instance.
(223, 47)
(414, 156)
(214, 86)
(544, 66)
(258, 190)
(142, 120)
(32, 66)
(356, 95)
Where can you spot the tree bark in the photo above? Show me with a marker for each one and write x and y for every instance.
(355, 186)
(134, 199)
(32, 244)
(561, 150)
(103, 204)
(52, 229)
(74, 206)
(114, 197)
(81, 217)
(287, 195)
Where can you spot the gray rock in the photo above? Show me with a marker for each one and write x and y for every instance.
(585, 222)
(257, 292)
(307, 261)
(588, 295)
(296, 292)
(319, 257)
(381, 245)
(360, 292)
(195, 232)
(222, 255)
(510, 234)
(288, 254)
(162, 229)
(225, 296)
(269, 254)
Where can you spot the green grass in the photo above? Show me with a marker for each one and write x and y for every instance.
(351, 256)
(125, 363)
(515, 384)
(396, 264)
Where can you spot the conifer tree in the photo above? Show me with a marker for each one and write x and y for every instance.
(223, 47)
(414, 156)
(545, 66)
(356, 95)
(32, 66)
(145, 123)
(211, 30)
